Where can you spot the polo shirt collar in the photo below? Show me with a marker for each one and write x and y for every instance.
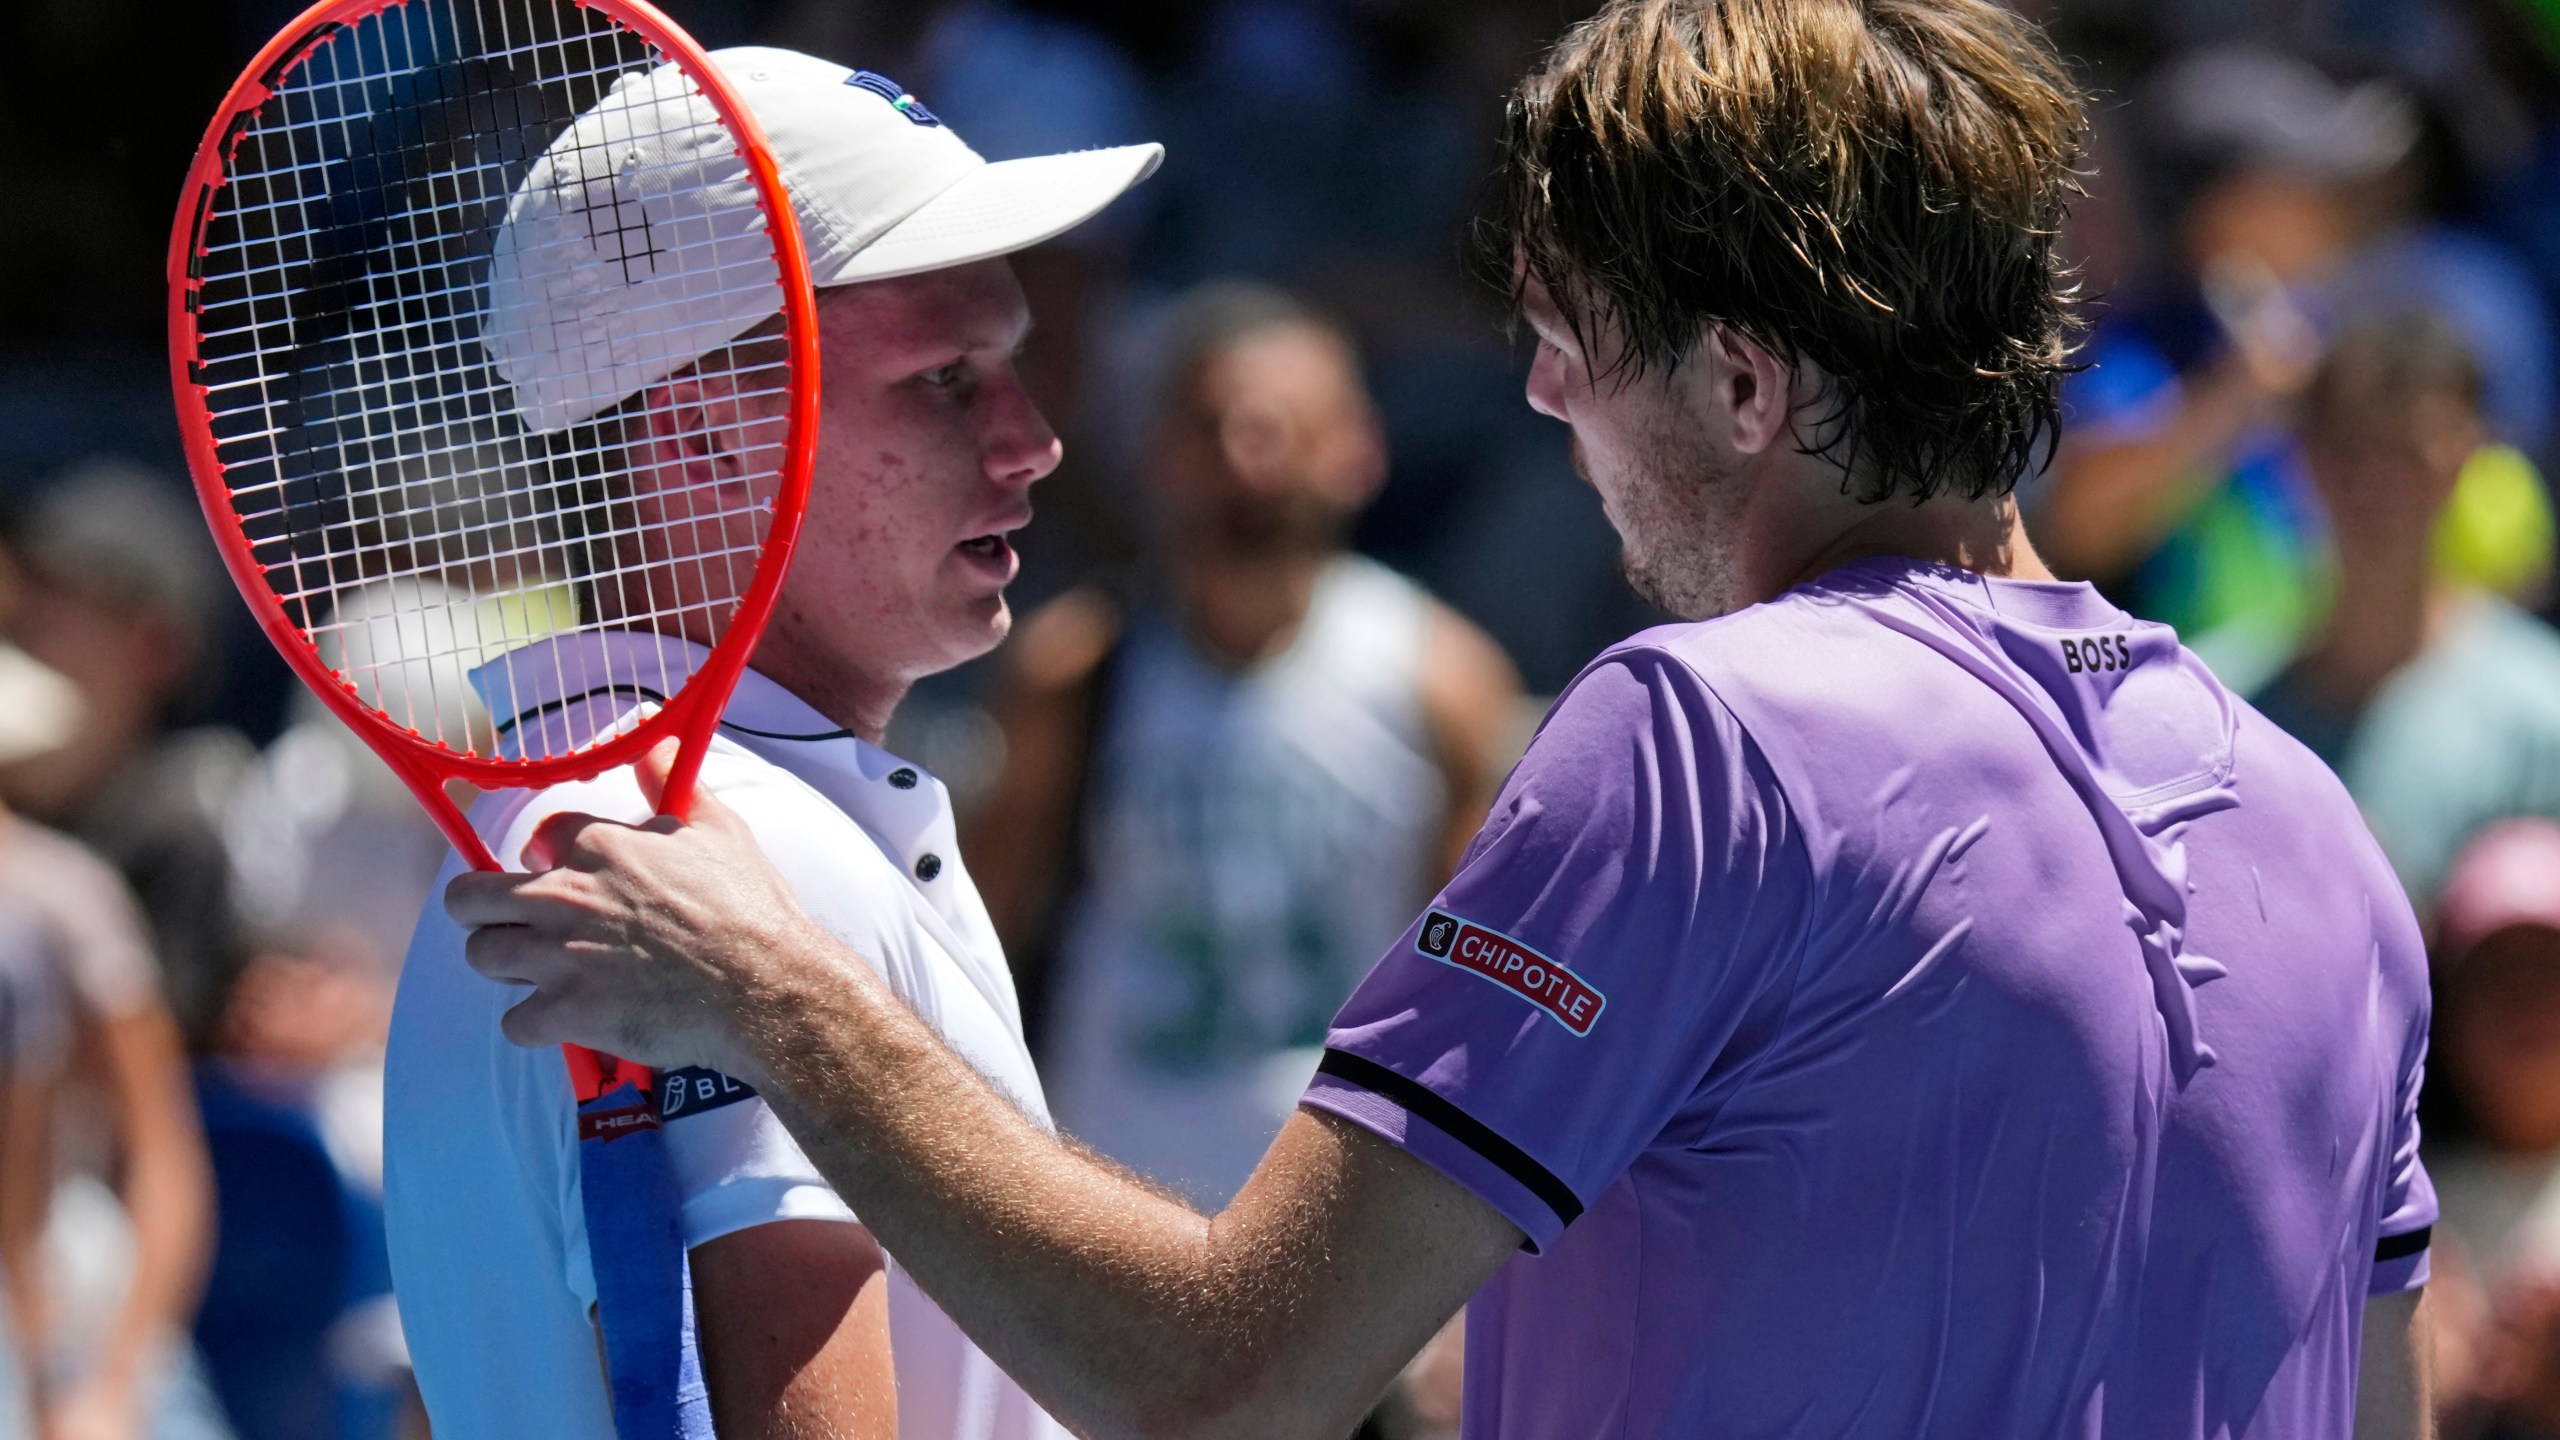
(568, 691)
(543, 683)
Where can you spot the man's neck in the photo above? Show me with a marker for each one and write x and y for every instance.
(862, 709)
(860, 703)
(1243, 607)
(1808, 528)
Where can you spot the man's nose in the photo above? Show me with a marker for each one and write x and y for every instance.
(1020, 446)
(1546, 384)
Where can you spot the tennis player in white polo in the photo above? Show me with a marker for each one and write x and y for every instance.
(927, 450)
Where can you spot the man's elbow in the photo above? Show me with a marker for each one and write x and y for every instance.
(1235, 1399)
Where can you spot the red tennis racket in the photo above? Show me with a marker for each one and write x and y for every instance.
(457, 294)
(489, 324)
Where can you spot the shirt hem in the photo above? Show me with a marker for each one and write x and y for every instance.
(736, 1207)
(1427, 1126)
(2401, 1267)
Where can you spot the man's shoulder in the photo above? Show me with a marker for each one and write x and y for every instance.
(787, 815)
(818, 846)
(1796, 657)
(1644, 714)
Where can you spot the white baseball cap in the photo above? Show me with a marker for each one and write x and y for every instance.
(632, 247)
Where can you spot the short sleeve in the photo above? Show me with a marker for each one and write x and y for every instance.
(735, 1164)
(2408, 1196)
(1634, 901)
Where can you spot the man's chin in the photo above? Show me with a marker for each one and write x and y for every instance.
(1680, 596)
(974, 627)
(998, 625)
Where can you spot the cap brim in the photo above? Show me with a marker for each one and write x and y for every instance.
(1006, 206)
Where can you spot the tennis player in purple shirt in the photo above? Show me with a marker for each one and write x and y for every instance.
(1911, 999)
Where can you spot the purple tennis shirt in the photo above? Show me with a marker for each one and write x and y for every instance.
(1921, 1005)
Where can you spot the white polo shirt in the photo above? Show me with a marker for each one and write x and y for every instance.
(488, 1235)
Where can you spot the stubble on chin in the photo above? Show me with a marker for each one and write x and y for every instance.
(1667, 589)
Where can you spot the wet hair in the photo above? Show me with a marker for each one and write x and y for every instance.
(1871, 186)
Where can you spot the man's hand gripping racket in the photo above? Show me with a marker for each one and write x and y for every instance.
(489, 326)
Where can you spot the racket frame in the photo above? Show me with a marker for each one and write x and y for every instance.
(425, 766)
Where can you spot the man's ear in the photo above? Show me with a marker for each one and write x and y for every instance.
(1750, 387)
(692, 430)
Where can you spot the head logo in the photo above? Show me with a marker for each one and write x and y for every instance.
(694, 1090)
(889, 90)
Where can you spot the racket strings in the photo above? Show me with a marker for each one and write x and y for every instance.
(426, 488)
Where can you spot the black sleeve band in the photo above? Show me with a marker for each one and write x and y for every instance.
(2401, 1247)
(1460, 1126)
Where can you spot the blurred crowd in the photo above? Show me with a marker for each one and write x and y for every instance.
(1289, 611)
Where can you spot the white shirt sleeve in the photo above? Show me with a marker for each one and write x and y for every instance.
(736, 1165)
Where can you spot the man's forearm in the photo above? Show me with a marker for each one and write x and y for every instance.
(1117, 1307)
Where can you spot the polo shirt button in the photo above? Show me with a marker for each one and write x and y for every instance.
(928, 866)
(903, 778)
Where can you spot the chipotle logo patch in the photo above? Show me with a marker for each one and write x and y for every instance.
(1515, 967)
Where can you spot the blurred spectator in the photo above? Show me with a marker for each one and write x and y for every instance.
(121, 578)
(2180, 487)
(100, 1281)
(297, 1329)
(2438, 704)
(330, 855)
(1224, 793)
(2497, 1051)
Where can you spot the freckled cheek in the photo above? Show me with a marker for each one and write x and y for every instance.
(891, 496)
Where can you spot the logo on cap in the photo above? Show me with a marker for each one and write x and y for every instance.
(891, 91)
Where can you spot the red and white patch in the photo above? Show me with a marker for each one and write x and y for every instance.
(1518, 968)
